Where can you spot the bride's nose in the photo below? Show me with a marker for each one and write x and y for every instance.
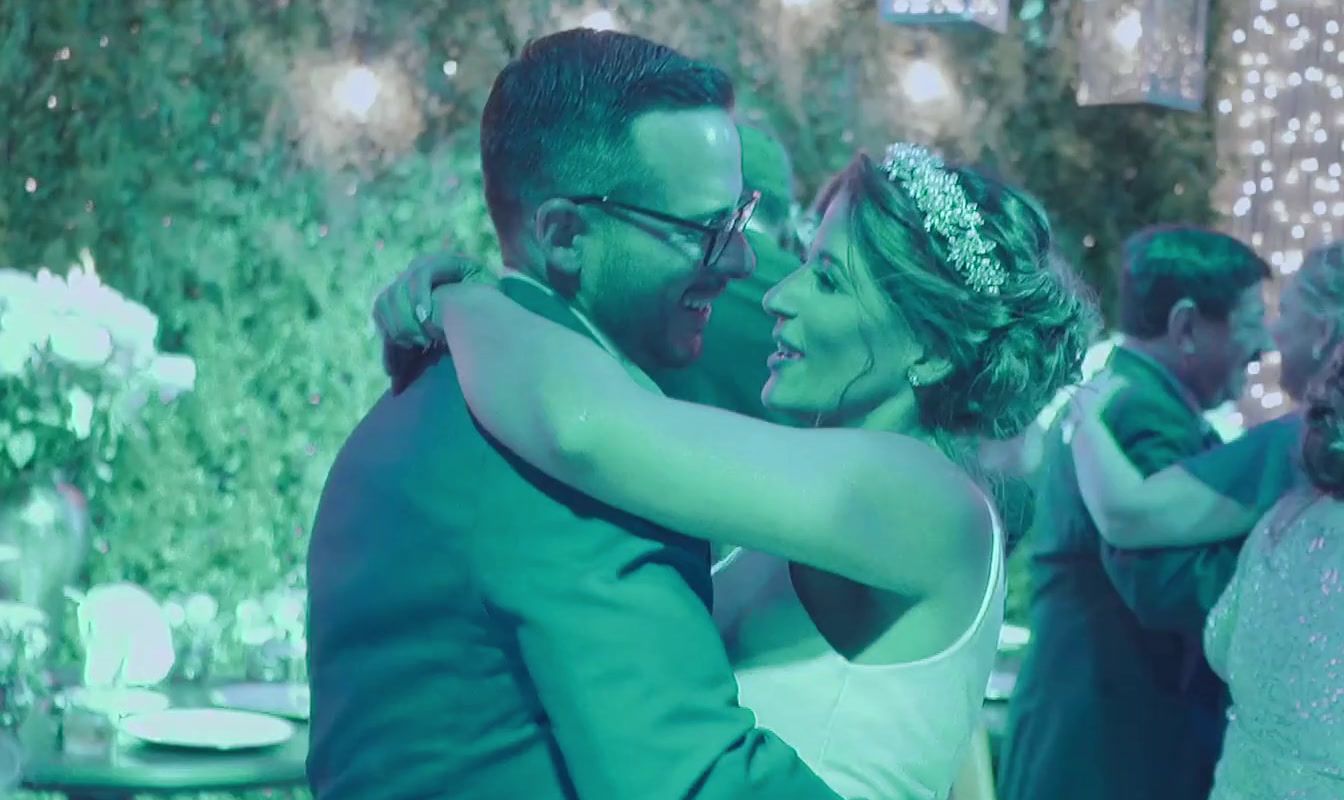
(778, 300)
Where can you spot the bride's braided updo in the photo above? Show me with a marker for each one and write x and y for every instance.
(1011, 348)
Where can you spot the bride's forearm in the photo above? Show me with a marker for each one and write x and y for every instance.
(1170, 508)
(1111, 486)
(535, 385)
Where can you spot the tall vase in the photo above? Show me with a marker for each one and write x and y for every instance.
(42, 537)
(24, 643)
(43, 541)
(11, 763)
(18, 698)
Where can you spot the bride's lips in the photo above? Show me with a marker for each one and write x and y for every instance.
(784, 353)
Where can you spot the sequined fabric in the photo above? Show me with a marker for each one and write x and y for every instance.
(1277, 638)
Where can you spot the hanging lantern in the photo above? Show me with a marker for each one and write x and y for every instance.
(991, 14)
(1143, 51)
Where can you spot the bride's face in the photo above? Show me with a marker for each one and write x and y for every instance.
(842, 348)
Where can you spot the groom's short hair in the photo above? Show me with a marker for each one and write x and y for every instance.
(558, 117)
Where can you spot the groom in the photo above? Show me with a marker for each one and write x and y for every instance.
(478, 630)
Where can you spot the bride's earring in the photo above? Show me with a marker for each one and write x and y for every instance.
(913, 376)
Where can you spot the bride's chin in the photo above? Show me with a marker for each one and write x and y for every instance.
(769, 400)
(769, 394)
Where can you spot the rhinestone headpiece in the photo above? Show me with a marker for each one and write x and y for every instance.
(948, 212)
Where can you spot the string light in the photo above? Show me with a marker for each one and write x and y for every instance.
(600, 20)
(1128, 30)
(1271, 118)
(356, 91)
(352, 111)
(924, 82)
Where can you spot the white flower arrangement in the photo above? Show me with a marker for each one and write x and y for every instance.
(126, 635)
(280, 614)
(77, 362)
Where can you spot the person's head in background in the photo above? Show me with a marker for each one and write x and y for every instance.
(1192, 299)
(1311, 317)
(613, 172)
(1323, 441)
(809, 219)
(767, 168)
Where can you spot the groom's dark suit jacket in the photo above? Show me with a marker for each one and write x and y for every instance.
(481, 632)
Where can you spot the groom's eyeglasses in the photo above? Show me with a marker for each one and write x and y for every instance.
(715, 236)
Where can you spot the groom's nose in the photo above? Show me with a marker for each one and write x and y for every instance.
(738, 259)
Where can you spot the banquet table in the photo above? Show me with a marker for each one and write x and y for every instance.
(133, 768)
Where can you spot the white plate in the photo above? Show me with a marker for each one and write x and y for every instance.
(208, 729)
(289, 700)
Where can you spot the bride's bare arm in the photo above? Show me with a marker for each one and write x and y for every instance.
(1169, 508)
(884, 510)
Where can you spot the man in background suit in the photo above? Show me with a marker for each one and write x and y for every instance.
(1114, 700)
(477, 630)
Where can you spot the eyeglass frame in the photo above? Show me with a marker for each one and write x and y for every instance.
(714, 246)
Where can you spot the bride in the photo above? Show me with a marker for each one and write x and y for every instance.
(862, 614)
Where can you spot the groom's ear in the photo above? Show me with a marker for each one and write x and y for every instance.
(560, 230)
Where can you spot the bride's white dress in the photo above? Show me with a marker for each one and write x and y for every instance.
(1277, 638)
(887, 732)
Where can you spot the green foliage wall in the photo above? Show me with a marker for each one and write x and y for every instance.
(188, 145)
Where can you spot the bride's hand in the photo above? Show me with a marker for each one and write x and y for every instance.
(1090, 401)
(404, 311)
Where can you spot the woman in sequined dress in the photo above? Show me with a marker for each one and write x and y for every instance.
(1277, 634)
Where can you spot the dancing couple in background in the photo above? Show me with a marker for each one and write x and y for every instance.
(1276, 634)
(1142, 566)
(510, 571)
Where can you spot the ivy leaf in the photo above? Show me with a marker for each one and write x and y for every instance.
(20, 446)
